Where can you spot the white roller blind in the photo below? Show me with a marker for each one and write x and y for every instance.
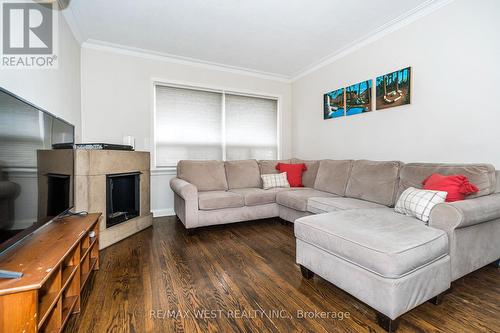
(198, 125)
(251, 128)
(188, 125)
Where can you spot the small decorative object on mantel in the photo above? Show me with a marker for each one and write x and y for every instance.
(129, 141)
(334, 104)
(359, 98)
(393, 89)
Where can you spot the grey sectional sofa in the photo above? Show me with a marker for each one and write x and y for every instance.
(346, 229)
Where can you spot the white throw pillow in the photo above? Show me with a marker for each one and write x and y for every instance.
(419, 203)
(274, 180)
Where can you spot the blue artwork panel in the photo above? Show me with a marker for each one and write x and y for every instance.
(334, 104)
(359, 98)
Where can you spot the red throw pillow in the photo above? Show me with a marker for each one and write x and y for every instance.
(457, 186)
(293, 173)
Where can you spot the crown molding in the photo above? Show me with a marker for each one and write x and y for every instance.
(150, 54)
(399, 22)
(70, 18)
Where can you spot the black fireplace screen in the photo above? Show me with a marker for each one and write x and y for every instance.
(58, 197)
(122, 197)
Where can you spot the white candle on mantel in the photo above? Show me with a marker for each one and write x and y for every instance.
(129, 141)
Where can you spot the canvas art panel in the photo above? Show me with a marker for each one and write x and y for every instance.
(334, 104)
(393, 89)
(359, 98)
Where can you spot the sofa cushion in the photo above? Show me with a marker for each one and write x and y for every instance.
(457, 187)
(209, 200)
(481, 175)
(333, 176)
(258, 196)
(269, 166)
(319, 205)
(374, 181)
(379, 240)
(205, 175)
(497, 176)
(241, 174)
(293, 173)
(419, 203)
(308, 176)
(274, 180)
(297, 198)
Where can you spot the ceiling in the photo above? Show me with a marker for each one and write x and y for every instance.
(279, 37)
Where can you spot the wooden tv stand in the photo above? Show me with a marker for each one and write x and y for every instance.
(56, 262)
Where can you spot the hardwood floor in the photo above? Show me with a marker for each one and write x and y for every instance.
(243, 278)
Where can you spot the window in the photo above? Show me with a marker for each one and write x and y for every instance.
(202, 124)
(188, 125)
(251, 128)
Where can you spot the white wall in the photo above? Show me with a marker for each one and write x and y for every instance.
(55, 90)
(454, 115)
(117, 95)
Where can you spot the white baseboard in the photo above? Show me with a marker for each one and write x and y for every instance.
(163, 212)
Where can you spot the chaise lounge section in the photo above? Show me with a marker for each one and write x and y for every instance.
(390, 261)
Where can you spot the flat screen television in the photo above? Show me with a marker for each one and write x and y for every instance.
(36, 181)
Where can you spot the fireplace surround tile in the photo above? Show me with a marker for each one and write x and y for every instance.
(96, 187)
(145, 186)
(116, 161)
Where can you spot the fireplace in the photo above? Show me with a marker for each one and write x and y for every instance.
(122, 197)
(58, 193)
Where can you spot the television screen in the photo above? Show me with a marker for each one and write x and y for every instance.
(36, 181)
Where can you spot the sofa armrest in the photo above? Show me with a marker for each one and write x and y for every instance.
(185, 202)
(185, 190)
(460, 214)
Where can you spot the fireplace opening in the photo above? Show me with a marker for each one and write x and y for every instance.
(58, 194)
(122, 197)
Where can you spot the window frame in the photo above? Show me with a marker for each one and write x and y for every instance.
(222, 91)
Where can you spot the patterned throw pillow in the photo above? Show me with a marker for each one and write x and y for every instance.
(274, 180)
(419, 203)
